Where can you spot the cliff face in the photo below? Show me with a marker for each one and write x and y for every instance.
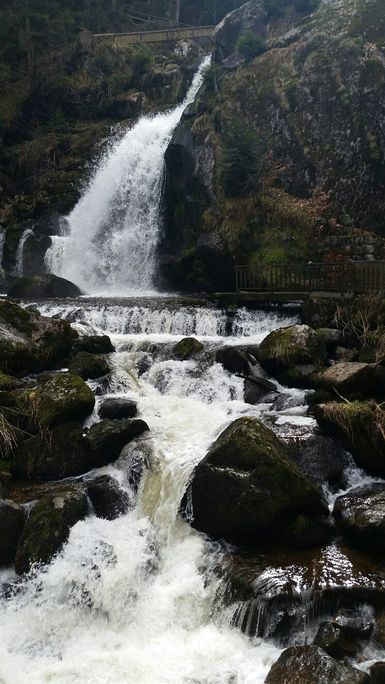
(287, 159)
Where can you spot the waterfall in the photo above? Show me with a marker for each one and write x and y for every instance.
(2, 240)
(113, 231)
(19, 266)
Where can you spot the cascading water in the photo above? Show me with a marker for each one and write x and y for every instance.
(113, 231)
(19, 266)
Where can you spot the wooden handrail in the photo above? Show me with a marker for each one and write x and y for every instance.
(344, 276)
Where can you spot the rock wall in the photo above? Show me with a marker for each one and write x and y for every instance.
(311, 112)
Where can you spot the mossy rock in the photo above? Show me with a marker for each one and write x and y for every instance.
(53, 454)
(296, 345)
(48, 526)
(106, 439)
(187, 348)
(11, 526)
(62, 398)
(43, 286)
(89, 366)
(30, 342)
(361, 427)
(246, 483)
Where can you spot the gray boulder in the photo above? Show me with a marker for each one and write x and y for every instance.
(11, 527)
(109, 500)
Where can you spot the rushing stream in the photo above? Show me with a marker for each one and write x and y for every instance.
(140, 599)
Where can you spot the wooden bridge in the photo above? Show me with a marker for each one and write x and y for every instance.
(166, 35)
(285, 282)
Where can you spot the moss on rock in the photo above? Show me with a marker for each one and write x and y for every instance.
(187, 348)
(62, 398)
(89, 366)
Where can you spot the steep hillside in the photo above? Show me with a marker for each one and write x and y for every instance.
(284, 155)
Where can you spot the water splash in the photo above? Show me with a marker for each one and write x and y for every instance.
(113, 231)
(19, 266)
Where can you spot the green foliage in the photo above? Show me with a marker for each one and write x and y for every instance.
(240, 161)
(249, 45)
(142, 60)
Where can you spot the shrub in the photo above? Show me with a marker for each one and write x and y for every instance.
(249, 45)
(142, 60)
(240, 161)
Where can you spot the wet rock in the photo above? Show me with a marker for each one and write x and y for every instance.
(377, 673)
(89, 366)
(43, 287)
(350, 378)
(63, 397)
(356, 623)
(233, 360)
(55, 454)
(321, 458)
(286, 401)
(278, 591)
(144, 365)
(187, 348)
(106, 439)
(361, 515)
(94, 344)
(135, 458)
(118, 408)
(257, 389)
(251, 16)
(246, 483)
(11, 527)
(292, 353)
(7, 383)
(311, 665)
(335, 641)
(30, 342)
(303, 532)
(109, 500)
(48, 526)
(361, 427)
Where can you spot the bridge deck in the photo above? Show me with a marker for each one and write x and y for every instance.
(156, 36)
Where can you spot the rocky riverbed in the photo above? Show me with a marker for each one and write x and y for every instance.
(145, 468)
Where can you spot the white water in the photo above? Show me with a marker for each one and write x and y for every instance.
(19, 266)
(113, 231)
(2, 240)
(167, 322)
(134, 601)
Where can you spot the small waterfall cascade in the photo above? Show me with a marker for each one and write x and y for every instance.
(19, 265)
(2, 240)
(113, 231)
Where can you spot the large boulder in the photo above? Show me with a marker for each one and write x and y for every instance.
(63, 397)
(53, 454)
(275, 589)
(251, 16)
(107, 497)
(89, 366)
(233, 360)
(321, 458)
(361, 427)
(11, 527)
(312, 665)
(361, 515)
(106, 439)
(118, 407)
(351, 378)
(246, 484)
(43, 286)
(30, 342)
(292, 354)
(48, 526)
(187, 348)
(94, 344)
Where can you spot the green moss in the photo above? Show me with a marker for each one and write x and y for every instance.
(187, 348)
(16, 317)
(63, 398)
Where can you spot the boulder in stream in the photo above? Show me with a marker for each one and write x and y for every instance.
(59, 398)
(106, 439)
(94, 344)
(109, 500)
(11, 526)
(48, 526)
(361, 515)
(30, 342)
(89, 366)
(187, 348)
(361, 427)
(312, 665)
(233, 360)
(246, 484)
(118, 407)
(351, 378)
(44, 286)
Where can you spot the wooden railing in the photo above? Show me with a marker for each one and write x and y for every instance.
(156, 36)
(349, 276)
